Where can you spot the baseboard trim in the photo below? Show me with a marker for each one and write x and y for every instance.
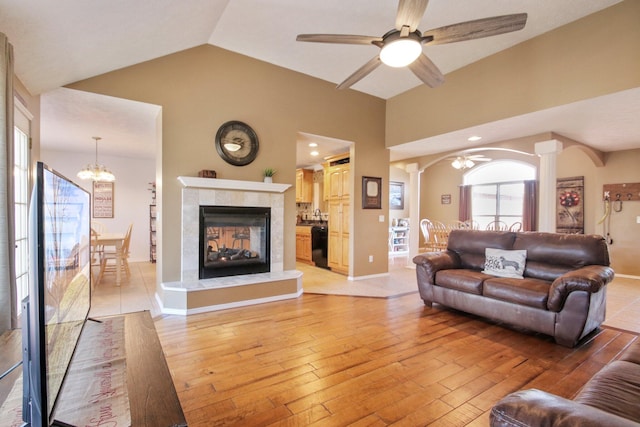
(218, 307)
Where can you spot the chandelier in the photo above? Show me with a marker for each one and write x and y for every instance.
(96, 171)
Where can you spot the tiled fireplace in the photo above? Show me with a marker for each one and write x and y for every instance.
(192, 294)
(234, 240)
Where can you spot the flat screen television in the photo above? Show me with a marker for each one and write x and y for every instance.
(59, 289)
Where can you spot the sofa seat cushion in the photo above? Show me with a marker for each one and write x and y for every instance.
(469, 281)
(527, 291)
(614, 389)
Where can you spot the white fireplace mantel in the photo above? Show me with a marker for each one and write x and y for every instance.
(231, 184)
(191, 294)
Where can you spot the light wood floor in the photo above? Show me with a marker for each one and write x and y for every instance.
(332, 360)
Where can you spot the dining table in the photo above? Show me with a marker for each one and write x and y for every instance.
(115, 240)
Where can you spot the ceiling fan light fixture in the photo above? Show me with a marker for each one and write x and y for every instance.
(462, 163)
(400, 52)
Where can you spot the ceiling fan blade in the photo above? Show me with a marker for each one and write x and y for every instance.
(477, 29)
(360, 73)
(427, 71)
(410, 13)
(338, 38)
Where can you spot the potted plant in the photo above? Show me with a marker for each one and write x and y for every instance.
(268, 174)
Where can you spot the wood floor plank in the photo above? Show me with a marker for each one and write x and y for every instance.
(458, 417)
(425, 415)
(337, 360)
(397, 410)
(304, 418)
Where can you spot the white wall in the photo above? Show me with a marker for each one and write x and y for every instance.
(131, 192)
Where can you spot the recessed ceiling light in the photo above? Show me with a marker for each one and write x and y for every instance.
(314, 153)
(313, 144)
(474, 138)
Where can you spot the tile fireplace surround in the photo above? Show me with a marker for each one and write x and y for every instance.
(192, 295)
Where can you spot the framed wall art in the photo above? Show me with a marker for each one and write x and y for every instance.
(371, 192)
(570, 205)
(396, 195)
(102, 199)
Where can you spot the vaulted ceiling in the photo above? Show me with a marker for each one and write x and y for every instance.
(57, 43)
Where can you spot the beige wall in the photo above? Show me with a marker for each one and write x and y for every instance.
(620, 167)
(201, 88)
(594, 56)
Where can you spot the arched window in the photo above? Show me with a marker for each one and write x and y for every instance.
(498, 193)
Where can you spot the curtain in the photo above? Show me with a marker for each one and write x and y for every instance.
(530, 206)
(7, 240)
(464, 210)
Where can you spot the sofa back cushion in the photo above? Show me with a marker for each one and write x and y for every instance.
(550, 255)
(470, 245)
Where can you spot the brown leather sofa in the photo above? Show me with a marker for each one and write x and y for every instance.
(562, 292)
(610, 398)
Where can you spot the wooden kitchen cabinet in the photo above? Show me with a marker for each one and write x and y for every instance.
(339, 181)
(336, 177)
(303, 244)
(338, 249)
(337, 184)
(304, 186)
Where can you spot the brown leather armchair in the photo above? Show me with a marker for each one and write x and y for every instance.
(610, 398)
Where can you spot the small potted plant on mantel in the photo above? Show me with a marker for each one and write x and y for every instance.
(268, 175)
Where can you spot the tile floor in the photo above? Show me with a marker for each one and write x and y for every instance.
(623, 304)
(138, 292)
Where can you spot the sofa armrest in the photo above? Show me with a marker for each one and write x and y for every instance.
(538, 408)
(432, 262)
(591, 278)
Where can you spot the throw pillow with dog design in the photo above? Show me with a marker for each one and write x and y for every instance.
(503, 263)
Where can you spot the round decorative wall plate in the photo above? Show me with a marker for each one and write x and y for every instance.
(237, 143)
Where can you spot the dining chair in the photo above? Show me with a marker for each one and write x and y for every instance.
(516, 226)
(459, 225)
(440, 234)
(96, 256)
(213, 235)
(497, 226)
(473, 224)
(109, 258)
(424, 228)
(240, 235)
(98, 227)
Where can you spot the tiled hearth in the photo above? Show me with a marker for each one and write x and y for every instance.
(192, 295)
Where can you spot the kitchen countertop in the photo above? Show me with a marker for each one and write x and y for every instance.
(311, 223)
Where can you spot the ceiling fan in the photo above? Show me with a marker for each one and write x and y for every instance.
(467, 162)
(402, 46)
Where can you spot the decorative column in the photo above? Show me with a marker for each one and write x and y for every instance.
(548, 152)
(414, 210)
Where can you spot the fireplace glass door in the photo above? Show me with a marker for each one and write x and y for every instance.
(234, 240)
